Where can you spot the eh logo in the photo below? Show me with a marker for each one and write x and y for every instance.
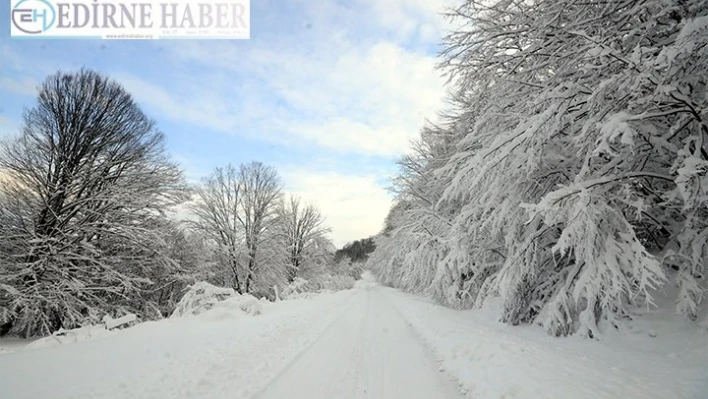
(33, 16)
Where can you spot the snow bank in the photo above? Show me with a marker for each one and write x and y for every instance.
(62, 336)
(109, 327)
(234, 307)
(87, 333)
(202, 300)
(325, 283)
(201, 297)
(493, 360)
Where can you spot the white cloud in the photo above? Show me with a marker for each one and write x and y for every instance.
(180, 107)
(370, 100)
(10, 59)
(345, 91)
(364, 95)
(411, 17)
(8, 127)
(354, 206)
(23, 86)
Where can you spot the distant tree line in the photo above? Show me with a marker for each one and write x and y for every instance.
(356, 251)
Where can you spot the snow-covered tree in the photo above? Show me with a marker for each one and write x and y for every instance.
(88, 183)
(217, 211)
(236, 208)
(569, 175)
(302, 227)
(261, 189)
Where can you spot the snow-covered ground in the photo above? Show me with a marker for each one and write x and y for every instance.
(218, 354)
(666, 359)
(368, 352)
(369, 342)
(12, 344)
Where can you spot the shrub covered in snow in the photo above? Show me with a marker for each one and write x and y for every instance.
(216, 303)
(201, 297)
(234, 307)
(298, 286)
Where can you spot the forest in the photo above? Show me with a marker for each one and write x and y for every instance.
(566, 183)
(567, 180)
(89, 225)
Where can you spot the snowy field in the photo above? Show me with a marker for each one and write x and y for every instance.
(369, 342)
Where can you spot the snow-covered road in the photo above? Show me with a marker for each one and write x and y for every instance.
(368, 342)
(368, 352)
(352, 344)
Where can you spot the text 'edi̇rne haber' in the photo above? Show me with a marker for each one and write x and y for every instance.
(148, 15)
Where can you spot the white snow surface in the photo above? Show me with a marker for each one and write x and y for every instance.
(369, 351)
(8, 345)
(368, 342)
(658, 359)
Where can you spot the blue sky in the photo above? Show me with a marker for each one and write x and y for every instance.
(328, 92)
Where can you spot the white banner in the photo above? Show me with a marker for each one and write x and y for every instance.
(125, 19)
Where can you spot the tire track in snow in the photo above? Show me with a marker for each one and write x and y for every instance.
(300, 354)
(369, 352)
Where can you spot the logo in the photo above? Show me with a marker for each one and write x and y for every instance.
(33, 16)
(131, 19)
